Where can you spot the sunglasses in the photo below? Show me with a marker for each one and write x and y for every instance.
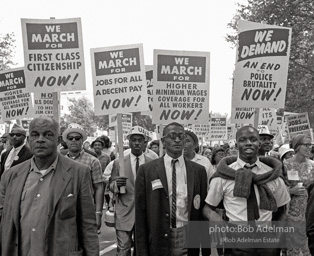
(77, 138)
(15, 134)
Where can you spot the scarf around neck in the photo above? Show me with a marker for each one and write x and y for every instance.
(243, 178)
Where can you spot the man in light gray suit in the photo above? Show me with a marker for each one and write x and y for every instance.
(124, 205)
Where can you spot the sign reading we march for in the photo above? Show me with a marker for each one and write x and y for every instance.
(15, 101)
(119, 79)
(261, 69)
(181, 87)
(53, 55)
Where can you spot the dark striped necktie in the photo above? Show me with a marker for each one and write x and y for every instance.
(174, 194)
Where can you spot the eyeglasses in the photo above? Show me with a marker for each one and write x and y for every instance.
(173, 135)
(15, 134)
(307, 144)
(77, 138)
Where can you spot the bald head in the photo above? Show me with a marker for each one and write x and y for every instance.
(44, 122)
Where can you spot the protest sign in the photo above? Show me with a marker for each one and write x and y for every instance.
(149, 84)
(25, 123)
(43, 104)
(261, 69)
(119, 79)
(268, 117)
(126, 123)
(201, 130)
(53, 55)
(218, 128)
(181, 87)
(15, 101)
(298, 124)
(242, 115)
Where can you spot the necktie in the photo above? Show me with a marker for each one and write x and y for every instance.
(252, 206)
(137, 164)
(174, 194)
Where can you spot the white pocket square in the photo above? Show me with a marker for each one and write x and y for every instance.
(69, 195)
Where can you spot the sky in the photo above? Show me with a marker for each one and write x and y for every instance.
(158, 24)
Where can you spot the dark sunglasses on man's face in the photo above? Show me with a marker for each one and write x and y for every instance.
(77, 138)
(15, 134)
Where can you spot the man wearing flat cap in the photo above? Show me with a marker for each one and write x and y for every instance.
(19, 151)
(124, 205)
(74, 136)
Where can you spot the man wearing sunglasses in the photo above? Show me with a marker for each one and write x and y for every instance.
(169, 192)
(74, 136)
(19, 151)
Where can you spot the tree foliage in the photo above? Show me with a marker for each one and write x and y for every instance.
(298, 15)
(6, 51)
(82, 112)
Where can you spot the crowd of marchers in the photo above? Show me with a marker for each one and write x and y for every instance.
(54, 189)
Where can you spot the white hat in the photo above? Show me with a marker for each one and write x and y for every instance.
(74, 128)
(138, 130)
(263, 130)
(284, 149)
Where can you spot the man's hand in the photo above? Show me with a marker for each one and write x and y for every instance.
(297, 191)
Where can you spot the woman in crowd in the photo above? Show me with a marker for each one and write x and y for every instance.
(154, 145)
(217, 154)
(207, 153)
(107, 146)
(299, 173)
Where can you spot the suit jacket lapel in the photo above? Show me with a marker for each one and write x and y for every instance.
(190, 184)
(128, 169)
(18, 185)
(160, 167)
(59, 181)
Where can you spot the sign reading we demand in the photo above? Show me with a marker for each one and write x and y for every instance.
(261, 69)
(119, 79)
(53, 55)
(181, 87)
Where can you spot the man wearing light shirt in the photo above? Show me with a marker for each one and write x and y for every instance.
(124, 203)
(19, 151)
(169, 192)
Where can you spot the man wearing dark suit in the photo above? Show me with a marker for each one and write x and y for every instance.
(162, 215)
(124, 205)
(46, 202)
(19, 151)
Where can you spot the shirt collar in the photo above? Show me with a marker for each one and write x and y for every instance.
(75, 157)
(242, 163)
(168, 159)
(18, 148)
(133, 157)
(51, 167)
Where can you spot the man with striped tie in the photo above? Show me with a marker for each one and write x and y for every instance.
(169, 192)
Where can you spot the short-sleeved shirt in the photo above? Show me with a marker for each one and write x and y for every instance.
(236, 207)
(202, 160)
(92, 163)
(104, 160)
